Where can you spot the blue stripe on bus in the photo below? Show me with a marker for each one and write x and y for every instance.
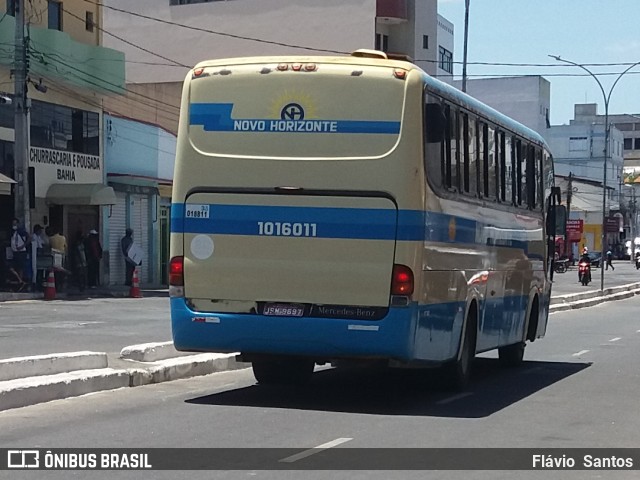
(423, 332)
(345, 223)
(217, 117)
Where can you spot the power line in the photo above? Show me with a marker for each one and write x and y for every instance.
(126, 41)
(213, 32)
(101, 85)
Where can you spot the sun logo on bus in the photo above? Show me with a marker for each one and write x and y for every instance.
(293, 105)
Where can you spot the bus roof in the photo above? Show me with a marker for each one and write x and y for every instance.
(436, 86)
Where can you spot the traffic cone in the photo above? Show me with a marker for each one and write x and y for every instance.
(50, 287)
(135, 292)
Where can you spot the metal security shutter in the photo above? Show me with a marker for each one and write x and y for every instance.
(117, 226)
(140, 224)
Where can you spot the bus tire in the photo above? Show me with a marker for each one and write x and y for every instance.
(282, 370)
(511, 355)
(458, 372)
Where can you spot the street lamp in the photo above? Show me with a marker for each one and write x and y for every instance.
(606, 97)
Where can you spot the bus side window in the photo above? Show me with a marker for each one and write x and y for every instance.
(532, 177)
(434, 122)
(511, 171)
(473, 156)
(508, 169)
(447, 147)
(466, 156)
(434, 128)
(499, 142)
(480, 150)
(517, 177)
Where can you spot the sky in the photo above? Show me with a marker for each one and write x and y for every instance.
(527, 31)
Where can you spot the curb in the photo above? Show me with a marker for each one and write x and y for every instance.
(32, 380)
(593, 297)
(31, 390)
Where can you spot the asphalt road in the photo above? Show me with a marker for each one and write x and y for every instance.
(566, 283)
(578, 388)
(36, 327)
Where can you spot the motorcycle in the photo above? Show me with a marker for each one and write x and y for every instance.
(584, 272)
(560, 266)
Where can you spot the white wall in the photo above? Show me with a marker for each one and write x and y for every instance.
(340, 25)
(525, 99)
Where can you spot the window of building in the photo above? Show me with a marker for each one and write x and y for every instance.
(628, 143)
(445, 60)
(54, 10)
(88, 21)
(382, 42)
(64, 128)
(425, 42)
(578, 144)
(636, 145)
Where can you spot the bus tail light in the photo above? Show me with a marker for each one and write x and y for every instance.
(402, 281)
(176, 277)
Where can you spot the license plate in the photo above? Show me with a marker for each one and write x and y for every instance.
(283, 310)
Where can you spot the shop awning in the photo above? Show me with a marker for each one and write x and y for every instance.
(81, 194)
(5, 185)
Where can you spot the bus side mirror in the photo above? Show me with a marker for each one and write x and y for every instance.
(435, 122)
(557, 221)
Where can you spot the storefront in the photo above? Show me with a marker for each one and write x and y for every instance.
(134, 208)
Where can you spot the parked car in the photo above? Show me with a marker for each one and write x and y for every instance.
(594, 258)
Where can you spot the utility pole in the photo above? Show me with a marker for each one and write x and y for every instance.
(466, 39)
(632, 224)
(21, 121)
(569, 195)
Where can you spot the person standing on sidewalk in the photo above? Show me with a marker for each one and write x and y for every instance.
(610, 259)
(19, 243)
(125, 244)
(93, 250)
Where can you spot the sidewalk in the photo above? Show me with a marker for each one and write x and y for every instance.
(114, 291)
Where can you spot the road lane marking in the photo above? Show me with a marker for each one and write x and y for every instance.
(615, 339)
(581, 352)
(444, 401)
(314, 450)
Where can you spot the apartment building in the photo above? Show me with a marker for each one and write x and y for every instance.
(165, 38)
(69, 74)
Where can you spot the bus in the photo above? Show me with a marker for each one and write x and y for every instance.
(353, 208)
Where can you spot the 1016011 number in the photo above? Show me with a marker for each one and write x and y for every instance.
(285, 229)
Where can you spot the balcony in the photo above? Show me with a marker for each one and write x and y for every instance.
(391, 12)
(54, 54)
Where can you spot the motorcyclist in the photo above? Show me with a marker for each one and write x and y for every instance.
(585, 258)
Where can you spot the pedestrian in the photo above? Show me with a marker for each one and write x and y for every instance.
(37, 250)
(19, 243)
(58, 241)
(79, 261)
(609, 259)
(93, 250)
(125, 244)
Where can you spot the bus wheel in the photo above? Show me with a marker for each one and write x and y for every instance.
(458, 372)
(511, 355)
(282, 370)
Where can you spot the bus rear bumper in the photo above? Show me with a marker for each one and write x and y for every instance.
(321, 338)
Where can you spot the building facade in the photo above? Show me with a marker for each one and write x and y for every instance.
(259, 27)
(68, 75)
(139, 160)
(525, 99)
